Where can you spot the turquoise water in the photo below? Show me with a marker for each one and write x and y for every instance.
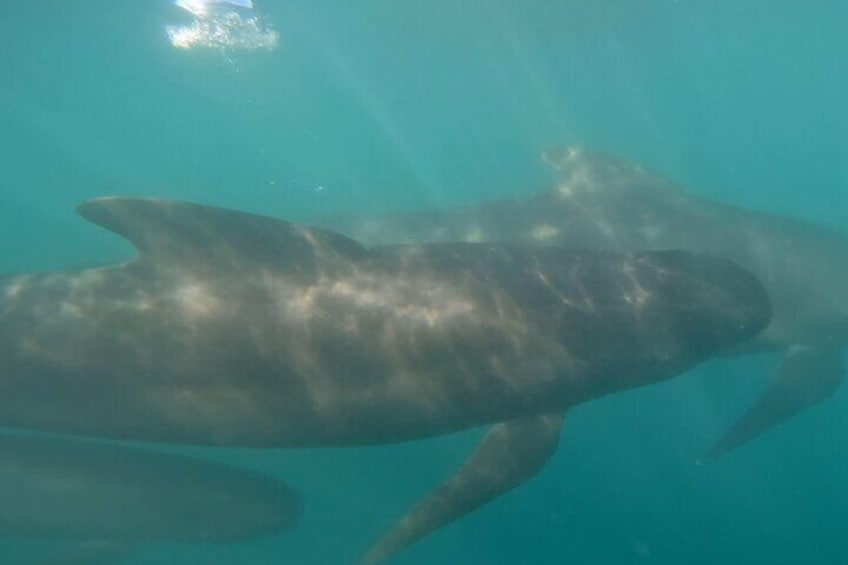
(380, 105)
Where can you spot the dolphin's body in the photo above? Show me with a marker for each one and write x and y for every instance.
(608, 203)
(111, 499)
(236, 329)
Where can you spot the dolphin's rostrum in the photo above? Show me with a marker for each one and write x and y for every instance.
(236, 329)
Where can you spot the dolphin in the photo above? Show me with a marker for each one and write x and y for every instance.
(236, 329)
(114, 499)
(604, 202)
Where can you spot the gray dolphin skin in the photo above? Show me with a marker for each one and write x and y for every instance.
(236, 329)
(112, 499)
(605, 202)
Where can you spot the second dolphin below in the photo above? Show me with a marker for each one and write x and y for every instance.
(105, 500)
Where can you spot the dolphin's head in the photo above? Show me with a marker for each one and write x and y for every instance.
(700, 304)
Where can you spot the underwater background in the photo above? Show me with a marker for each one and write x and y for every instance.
(379, 105)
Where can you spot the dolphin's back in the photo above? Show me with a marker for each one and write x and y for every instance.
(603, 202)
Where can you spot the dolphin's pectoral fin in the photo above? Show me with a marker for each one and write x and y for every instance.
(508, 456)
(91, 553)
(807, 376)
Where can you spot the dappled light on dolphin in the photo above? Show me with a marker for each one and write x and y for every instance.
(236, 329)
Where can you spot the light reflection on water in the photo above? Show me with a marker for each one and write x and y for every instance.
(224, 25)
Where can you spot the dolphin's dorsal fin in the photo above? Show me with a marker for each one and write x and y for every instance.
(580, 169)
(191, 234)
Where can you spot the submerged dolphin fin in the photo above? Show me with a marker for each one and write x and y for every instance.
(510, 454)
(807, 376)
(187, 233)
(91, 553)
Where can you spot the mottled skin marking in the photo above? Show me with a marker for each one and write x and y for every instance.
(236, 329)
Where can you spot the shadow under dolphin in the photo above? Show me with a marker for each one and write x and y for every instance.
(604, 202)
(236, 329)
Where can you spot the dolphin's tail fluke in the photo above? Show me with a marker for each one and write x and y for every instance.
(808, 376)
